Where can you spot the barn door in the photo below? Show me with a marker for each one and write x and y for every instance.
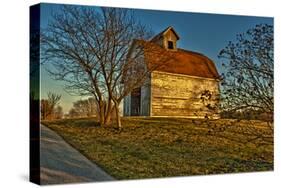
(135, 102)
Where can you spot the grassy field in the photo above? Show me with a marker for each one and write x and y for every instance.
(164, 147)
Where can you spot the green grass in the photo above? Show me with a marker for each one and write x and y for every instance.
(164, 147)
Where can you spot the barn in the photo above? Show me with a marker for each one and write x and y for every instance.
(178, 85)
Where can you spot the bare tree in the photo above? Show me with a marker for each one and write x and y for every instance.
(88, 49)
(48, 105)
(248, 80)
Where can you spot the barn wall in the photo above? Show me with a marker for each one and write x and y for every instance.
(127, 105)
(145, 99)
(130, 101)
(180, 95)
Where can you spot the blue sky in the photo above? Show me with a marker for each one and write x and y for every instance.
(204, 33)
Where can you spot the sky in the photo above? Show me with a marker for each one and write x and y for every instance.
(199, 32)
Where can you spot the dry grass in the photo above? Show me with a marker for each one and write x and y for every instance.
(163, 147)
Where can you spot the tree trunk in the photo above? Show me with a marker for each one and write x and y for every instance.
(118, 118)
(107, 113)
(101, 114)
(107, 119)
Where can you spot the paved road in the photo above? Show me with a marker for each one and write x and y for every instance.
(61, 163)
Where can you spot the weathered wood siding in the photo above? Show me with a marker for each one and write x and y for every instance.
(127, 105)
(180, 95)
(145, 99)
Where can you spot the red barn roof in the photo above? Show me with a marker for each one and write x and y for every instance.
(178, 61)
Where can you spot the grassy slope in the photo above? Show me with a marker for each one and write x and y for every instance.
(162, 147)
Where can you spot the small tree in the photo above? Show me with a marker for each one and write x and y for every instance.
(48, 105)
(248, 77)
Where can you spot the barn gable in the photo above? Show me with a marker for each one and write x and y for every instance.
(167, 39)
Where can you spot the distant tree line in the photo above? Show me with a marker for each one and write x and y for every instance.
(83, 108)
(249, 114)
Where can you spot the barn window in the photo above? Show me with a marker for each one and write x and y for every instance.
(170, 45)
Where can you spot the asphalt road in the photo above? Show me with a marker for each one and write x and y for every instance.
(61, 163)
